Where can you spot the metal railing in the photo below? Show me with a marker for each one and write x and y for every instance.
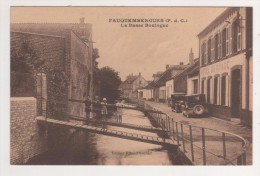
(203, 146)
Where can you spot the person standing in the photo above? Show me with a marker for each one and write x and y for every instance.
(119, 106)
(104, 108)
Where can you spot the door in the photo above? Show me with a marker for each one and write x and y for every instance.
(141, 94)
(235, 93)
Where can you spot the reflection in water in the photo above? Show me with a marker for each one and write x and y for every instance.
(93, 149)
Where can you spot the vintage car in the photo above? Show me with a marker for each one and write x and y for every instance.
(177, 101)
(194, 105)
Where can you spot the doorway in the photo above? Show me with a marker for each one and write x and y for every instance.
(141, 94)
(235, 93)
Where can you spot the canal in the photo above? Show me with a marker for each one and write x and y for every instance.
(82, 148)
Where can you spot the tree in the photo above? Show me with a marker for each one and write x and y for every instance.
(95, 54)
(109, 83)
(25, 64)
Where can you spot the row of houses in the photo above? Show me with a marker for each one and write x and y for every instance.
(223, 71)
(182, 78)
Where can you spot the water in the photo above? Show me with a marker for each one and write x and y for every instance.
(84, 148)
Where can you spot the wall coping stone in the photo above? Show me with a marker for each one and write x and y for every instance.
(22, 98)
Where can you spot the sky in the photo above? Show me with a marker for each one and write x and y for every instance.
(132, 50)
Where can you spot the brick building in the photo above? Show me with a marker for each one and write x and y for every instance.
(226, 64)
(62, 52)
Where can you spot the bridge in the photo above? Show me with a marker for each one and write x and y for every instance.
(126, 106)
(108, 132)
(124, 125)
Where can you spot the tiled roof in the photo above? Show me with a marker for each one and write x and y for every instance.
(58, 29)
(189, 69)
(167, 75)
(130, 79)
(195, 70)
(184, 70)
(219, 19)
(150, 85)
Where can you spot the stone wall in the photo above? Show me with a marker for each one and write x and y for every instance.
(34, 54)
(80, 75)
(27, 138)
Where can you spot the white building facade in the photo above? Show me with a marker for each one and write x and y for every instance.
(226, 64)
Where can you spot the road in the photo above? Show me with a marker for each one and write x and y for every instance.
(212, 123)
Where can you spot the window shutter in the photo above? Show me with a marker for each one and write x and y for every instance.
(224, 42)
(234, 36)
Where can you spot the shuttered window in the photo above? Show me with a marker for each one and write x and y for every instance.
(224, 31)
(216, 46)
(209, 50)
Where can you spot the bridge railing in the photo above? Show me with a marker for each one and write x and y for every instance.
(203, 146)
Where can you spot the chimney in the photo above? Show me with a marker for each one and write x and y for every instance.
(167, 66)
(81, 20)
(181, 63)
(191, 57)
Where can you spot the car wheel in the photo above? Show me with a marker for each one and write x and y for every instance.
(198, 110)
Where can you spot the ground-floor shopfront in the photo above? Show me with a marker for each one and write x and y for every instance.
(227, 85)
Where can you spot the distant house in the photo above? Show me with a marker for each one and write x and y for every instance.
(130, 86)
(193, 79)
(148, 91)
(161, 89)
(187, 80)
(59, 53)
(177, 83)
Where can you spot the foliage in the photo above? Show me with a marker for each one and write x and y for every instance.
(109, 83)
(95, 54)
(25, 60)
(24, 65)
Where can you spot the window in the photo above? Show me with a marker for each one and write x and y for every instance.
(216, 46)
(216, 90)
(223, 90)
(209, 50)
(227, 40)
(224, 35)
(195, 86)
(212, 49)
(234, 35)
(203, 53)
(219, 45)
(202, 86)
(239, 37)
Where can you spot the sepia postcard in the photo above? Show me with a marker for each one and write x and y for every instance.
(132, 86)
